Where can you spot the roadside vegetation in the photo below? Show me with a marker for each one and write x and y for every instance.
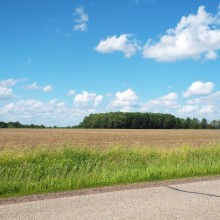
(42, 170)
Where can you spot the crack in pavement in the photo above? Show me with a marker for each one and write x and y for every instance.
(191, 192)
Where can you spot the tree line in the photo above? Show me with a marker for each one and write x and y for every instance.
(130, 120)
(18, 125)
(137, 120)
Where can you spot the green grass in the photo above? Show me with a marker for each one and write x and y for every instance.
(42, 171)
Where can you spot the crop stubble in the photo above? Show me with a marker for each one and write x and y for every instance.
(104, 138)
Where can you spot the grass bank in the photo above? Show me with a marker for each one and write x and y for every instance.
(42, 171)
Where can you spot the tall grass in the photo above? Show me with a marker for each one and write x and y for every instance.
(42, 171)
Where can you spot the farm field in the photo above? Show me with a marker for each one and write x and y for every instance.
(104, 138)
(34, 161)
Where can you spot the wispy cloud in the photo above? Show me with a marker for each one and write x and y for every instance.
(81, 20)
(80, 27)
(9, 82)
(35, 86)
(48, 88)
(65, 34)
(5, 93)
(136, 2)
(71, 92)
(169, 101)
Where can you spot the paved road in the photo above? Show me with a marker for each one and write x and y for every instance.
(199, 200)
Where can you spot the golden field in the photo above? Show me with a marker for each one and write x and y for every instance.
(27, 138)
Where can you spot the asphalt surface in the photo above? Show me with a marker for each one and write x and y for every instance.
(199, 200)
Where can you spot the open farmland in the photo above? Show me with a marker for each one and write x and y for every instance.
(28, 138)
(36, 161)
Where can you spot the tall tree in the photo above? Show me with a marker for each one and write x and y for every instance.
(204, 124)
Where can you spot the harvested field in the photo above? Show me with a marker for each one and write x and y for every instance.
(105, 138)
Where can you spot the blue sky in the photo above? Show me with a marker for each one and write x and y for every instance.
(62, 60)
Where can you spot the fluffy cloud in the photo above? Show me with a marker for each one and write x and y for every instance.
(35, 111)
(39, 112)
(125, 100)
(123, 44)
(34, 86)
(188, 109)
(169, 101)
(207, 109)
(87, 99)
(5, 91)
(198, 110)
(30, 107)
(199, 88)
(213, 98)
(82, 19)
(205, 106)
(195, 36)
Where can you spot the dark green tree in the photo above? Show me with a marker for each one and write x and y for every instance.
(204, 124)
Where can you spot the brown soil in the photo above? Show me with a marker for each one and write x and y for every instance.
(13, 138)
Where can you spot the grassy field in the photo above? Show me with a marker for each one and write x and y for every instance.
(40, 161)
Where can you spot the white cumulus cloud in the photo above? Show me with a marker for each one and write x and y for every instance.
(87, 99)
(199, 88)
(125, 100)
(204, 106)
(196, 36)
(38, 112)
(124, 43)
(53, 112)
